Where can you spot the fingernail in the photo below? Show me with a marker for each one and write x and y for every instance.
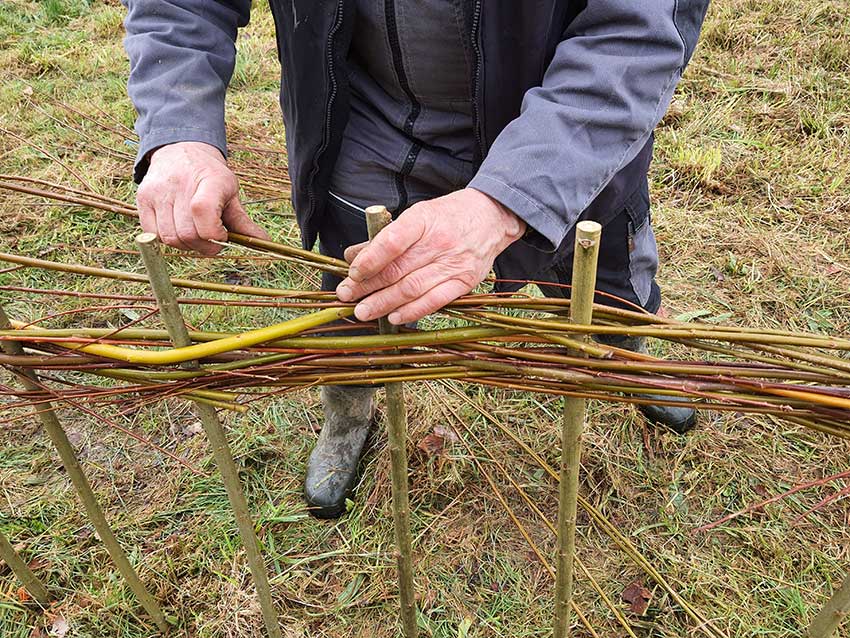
(362, 312)
(395, 318)
(354, 273)
(343, 291)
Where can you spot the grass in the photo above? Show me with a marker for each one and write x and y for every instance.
(751, 202)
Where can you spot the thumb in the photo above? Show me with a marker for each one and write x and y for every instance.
(236, 220)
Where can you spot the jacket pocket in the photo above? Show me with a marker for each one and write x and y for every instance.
(637, 208)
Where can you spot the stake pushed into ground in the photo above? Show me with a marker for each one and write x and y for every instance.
(588, 234)
(834, 612)
(169, 311)
(377, 217)
(30, 581)
(81, 484)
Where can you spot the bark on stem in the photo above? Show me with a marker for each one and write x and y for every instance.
(81, 484)
(30, 581)
(581, 309)
(377, 217)
(173, 319)
(834, 612)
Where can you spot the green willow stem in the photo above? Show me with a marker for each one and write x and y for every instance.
(216, 399)
(586, 252)
(219, 346)
(170, 314)
(675, 332)
(377, 218)
(30, 581)
(347, 343)
(834, 613)
(609, 528)
(79, 269)
(75, 473)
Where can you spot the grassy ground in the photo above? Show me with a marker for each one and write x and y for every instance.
(752, 196)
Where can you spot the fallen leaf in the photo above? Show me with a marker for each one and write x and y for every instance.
(193, 428)
(23, 595)
(718, 276)
(59, 627)
(637, 596)
(432, 444)
(446, 432)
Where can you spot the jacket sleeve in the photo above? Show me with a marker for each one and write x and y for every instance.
(608, 85)
(182, 54)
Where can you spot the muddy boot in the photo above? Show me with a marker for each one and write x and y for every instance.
(332, 467)
(679, 419)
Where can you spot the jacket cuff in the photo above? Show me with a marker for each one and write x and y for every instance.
(549, 227)
(155, 138)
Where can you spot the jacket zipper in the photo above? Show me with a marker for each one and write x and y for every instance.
(415, 107)
(476, 80)
(311, 193)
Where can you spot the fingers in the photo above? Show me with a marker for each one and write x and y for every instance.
(236, 219)
(147, 215)
(410, 288)
(166, 228)
(436, 298)
(352, 251)
(189, 196)
(349, 290)
(204, 209)
(387, 246)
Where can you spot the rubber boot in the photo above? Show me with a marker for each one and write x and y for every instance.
(679, 419)
(332, 467)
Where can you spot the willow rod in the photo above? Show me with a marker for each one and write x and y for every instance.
(30, 581)
(79, 269)
(378, 217)
(586, 253)
(75, 472)
(173, 319)
(191, 351)
(702, 623)
(834, 612)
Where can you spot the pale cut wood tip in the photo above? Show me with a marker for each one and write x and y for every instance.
(146, 238)
(589, 227)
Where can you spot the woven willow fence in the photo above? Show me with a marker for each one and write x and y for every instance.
(511, 341)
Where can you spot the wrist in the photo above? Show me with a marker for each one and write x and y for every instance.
(512, 225)
(175, 148)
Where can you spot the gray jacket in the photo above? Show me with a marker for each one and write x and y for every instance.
(566, 96)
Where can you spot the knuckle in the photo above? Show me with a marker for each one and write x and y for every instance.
(468, 279)
(392, 272)
(410, 287)
(199, 207)
(392, 241)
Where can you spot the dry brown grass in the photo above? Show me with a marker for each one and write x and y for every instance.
(750, 184)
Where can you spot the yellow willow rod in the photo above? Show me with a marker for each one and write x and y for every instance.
(228, 344)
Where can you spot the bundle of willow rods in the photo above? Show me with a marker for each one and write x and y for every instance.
(511, 341)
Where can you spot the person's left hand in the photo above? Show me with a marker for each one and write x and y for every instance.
(432, 254)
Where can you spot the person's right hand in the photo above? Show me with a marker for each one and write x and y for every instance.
(190, 196)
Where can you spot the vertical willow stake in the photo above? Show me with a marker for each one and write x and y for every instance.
(81, 484)
(834, 612)
(581, 310)
(171, 316)
(29, 580)
(376, 218)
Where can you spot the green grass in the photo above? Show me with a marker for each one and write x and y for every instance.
(750, 188)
